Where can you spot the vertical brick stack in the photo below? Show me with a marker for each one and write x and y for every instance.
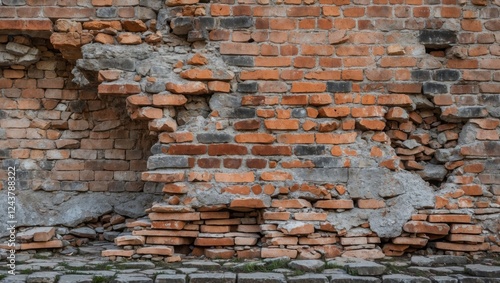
(303, 98)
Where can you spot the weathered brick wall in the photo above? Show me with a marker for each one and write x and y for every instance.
(289, 128)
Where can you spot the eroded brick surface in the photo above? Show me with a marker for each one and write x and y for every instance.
(291, 125)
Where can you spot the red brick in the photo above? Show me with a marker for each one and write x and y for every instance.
(220, 10)
(227, 149)
(256, 163)
(191, 88)
(450, 12)
(281, 124)
(369, 111)
(320, 99)
(334, 112)
(303, 11)
(308, 87)
(461, 247)
(335, 204)
(294, 100)
(465, 229)
(260, 75)
(246, 125)
(183, 149)
(352, 75)
(317, 50)
(273, 61)
(160, 100)
(471, 25)
(398, 62)
(255, 138)
(296, 138)
(275, 176)
(282, 23)
(450, 218)
(268, 150)
(426, 227)
(304, 62)
(371, 203)
(123, 89)
(343, 138)
(239, 48)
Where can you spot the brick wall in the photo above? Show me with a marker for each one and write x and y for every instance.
(319, 128)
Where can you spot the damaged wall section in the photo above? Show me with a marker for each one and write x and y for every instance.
(292, 128)
(78, 156)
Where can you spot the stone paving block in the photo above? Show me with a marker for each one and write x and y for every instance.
(483, 270)
(309, 265)
(132, 278)
(444, 279)
(15, 279)
(344, 278)
(401, 278)
(201, 264)
(261, 277)
(42, 277)
(436, 260)
(170, 278)
(138, 264)
(473, 279)
(429, 270)
(75, 279)
(226, 277)
(365, 268)
(309, 278)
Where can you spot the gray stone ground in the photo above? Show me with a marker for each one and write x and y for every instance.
(89, 267)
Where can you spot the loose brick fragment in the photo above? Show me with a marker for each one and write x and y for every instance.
(192, 88)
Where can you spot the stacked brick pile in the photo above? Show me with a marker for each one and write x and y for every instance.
(35, 239)
(294, 121)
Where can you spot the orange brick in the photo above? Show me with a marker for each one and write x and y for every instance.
(260, 75)
(296, 138)
(248, 203)
(369, 111)
(281, 124)
(334, 112)
(371, 203)
(255, 138)
(466, 229)
(276, 215)
(343, 138)
(235, 177)
(220, 10)
(308, 87)
(450, 218)
(291, 203)
(275, 176)
(335, 204)
(426, 227)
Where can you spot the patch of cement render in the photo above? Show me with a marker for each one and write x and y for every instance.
(404, 193)
(39, 208)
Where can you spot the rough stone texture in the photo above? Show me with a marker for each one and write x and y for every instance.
(365, 268)
(483, 270)
(344, 278)
(401, 278)
(70, 209)
(225, 277)
(261, 277)
(312, 278)
(439, 260)
(306, 265)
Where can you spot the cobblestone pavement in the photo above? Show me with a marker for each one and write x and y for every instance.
(89, 267)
